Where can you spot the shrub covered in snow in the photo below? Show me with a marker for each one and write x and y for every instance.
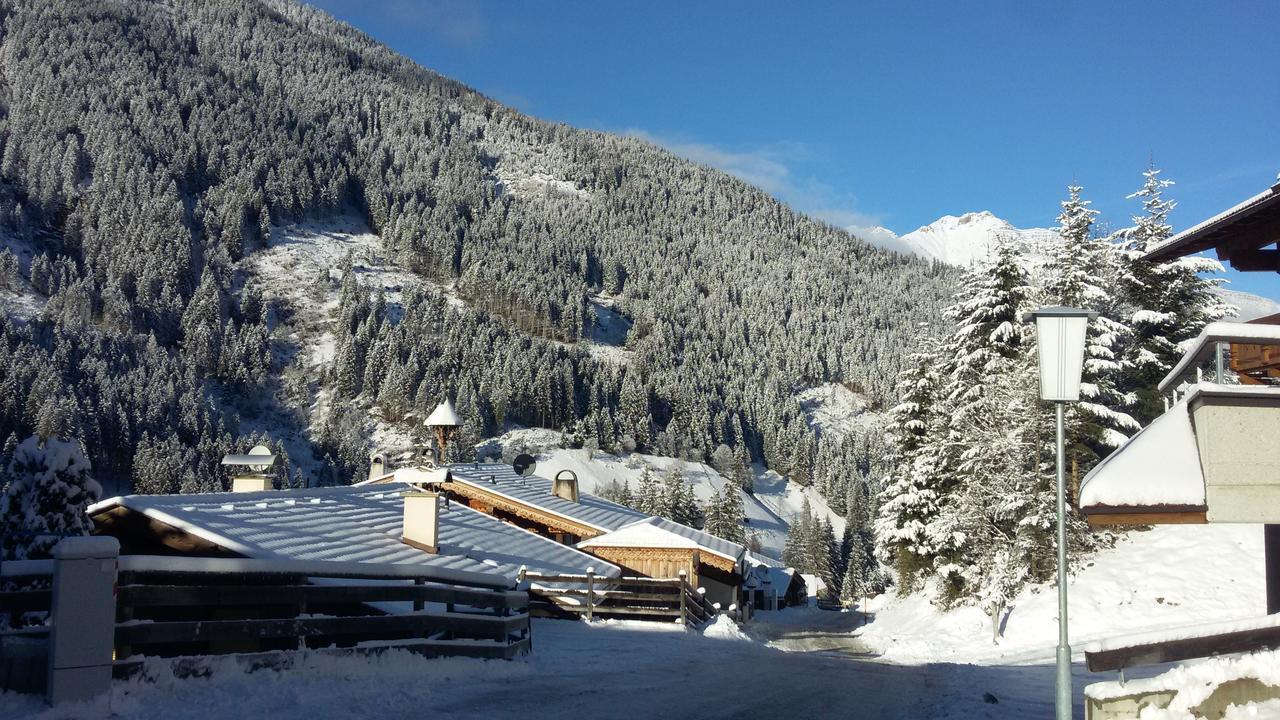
(48, 489)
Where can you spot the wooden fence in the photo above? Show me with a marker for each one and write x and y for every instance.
(1188, 647)
(199, 606)
(591, 596)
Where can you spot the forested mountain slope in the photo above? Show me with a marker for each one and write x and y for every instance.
(148, 148)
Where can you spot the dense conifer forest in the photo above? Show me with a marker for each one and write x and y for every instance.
(148, 148)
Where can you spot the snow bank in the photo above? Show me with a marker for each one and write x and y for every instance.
(1195, 682)
(724, 628)
(1150, 581)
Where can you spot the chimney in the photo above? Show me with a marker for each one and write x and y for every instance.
(250, 483)
(421, 520)
(251, 472)
(565, 485)
(377, 466)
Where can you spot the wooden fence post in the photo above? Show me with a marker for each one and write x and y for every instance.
(684, 592)
(418, 604)
(591, 591)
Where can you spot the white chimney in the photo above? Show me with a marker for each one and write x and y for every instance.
(421, 520)
(251, 472)
(377, 466)
(565, 485)
(250, 483)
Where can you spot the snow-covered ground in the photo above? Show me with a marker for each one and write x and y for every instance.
(21, 302)
(769, 511)
(609, 334)
(1248, 306)
(1169, 576)
(834, 408)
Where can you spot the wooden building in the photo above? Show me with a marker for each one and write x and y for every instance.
(1213, 456)
(656, 547)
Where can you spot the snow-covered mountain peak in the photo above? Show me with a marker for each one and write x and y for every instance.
(962, 239)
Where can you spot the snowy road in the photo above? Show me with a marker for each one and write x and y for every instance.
(607, 670)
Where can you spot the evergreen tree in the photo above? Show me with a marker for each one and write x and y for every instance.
(1169, 303)
(48, 492)
(1080, 273)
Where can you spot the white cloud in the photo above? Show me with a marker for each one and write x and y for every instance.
(772, 169)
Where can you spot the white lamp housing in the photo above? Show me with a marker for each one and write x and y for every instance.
(1060, 332)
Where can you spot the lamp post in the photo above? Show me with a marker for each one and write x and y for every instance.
(1060, 335)
(444, 421)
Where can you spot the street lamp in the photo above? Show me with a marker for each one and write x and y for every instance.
(1060, 335)
(444, 421)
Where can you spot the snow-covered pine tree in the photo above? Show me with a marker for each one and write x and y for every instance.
(1081, 272)
(1168, 303)
(799, 534)
(646, 497)
(723, 517)
(49, 489)
(909, 501)
(675, 499)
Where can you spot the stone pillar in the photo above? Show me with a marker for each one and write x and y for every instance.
(84, 618)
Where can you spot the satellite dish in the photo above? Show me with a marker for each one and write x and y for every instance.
(259, 450)
(524, 464)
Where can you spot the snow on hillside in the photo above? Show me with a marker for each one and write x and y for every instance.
(609, 331)
(960, 240)
(775, 503)
(834, 408)
(519, 183)
(21, 302)
(1249, 306)
(1150, 581)
(301, 266)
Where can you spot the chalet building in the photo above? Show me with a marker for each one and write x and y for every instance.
(1211, 457)
(386, 523)
(771, 585)
(657, 547)
(643, 545)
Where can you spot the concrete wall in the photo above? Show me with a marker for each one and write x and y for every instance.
(1240, 458)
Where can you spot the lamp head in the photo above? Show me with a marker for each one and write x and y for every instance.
(1060, 336)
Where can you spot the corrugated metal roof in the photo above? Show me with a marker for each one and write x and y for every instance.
(535, 491)
(660, 532)
(355, 524)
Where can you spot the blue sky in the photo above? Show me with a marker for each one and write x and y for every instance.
(892, 113)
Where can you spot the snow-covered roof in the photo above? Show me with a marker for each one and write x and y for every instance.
(413, 475)
(762, 568)
(1202, 348)
(656, 532)
(355, 524)
(1158, 466)
(535, 491)
(443, 415)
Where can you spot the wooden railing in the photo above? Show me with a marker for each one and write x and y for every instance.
(197, 606)
(1187, 645)
(591, 595)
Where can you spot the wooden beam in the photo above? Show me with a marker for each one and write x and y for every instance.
(492, 500)
(1146, 518)
(149, 633)
(311, 595)
(1255, 260)
(1157, 653)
